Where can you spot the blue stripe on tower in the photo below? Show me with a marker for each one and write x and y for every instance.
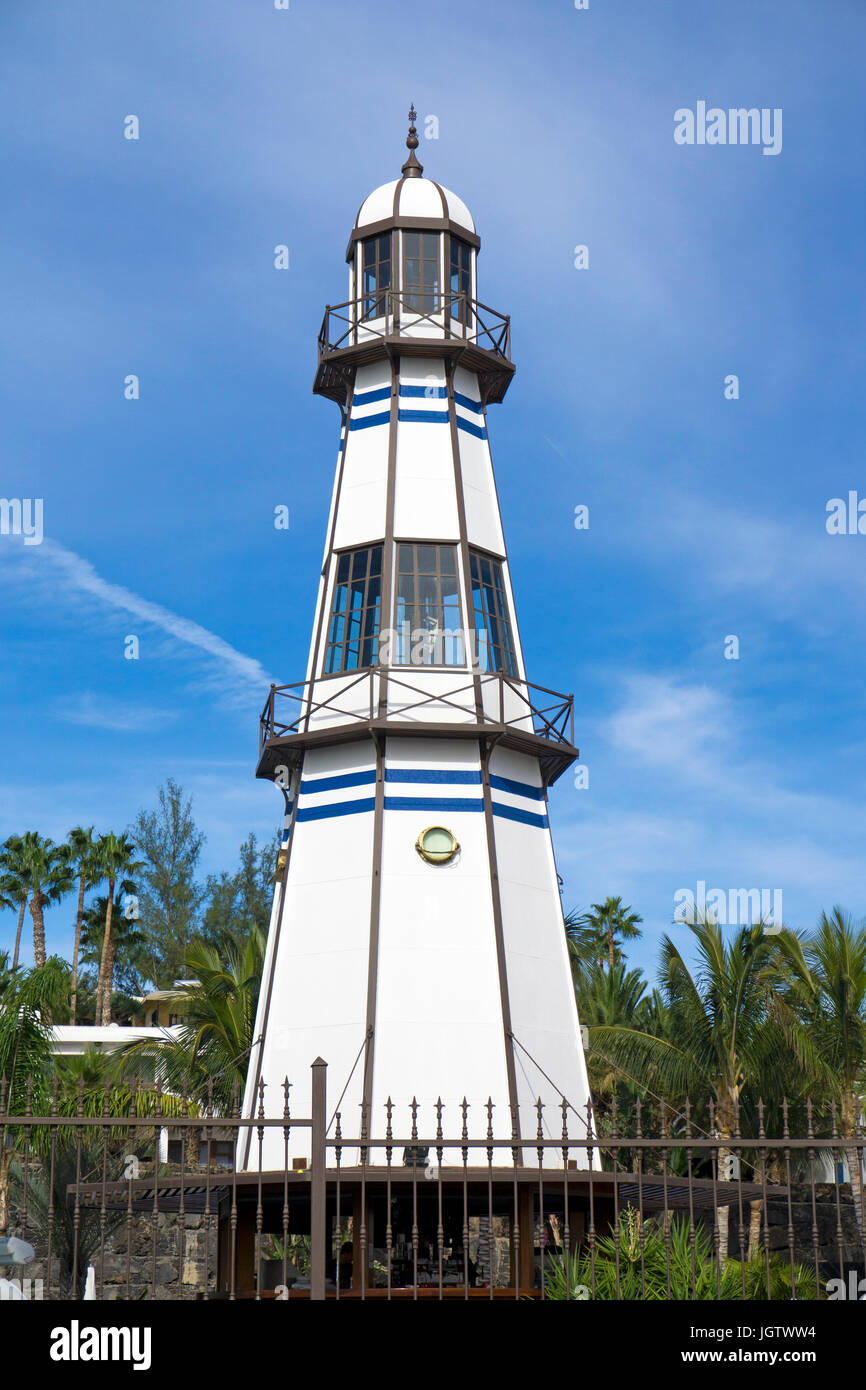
(427, 417)
(424, 392)
(366, 421)
(524, 817)
(506, 784)
(405, 774)
(367, 397)
(420, 803)
(478, 430)
(344, 779)
(433, 803)
(466, 403)
(337, 808)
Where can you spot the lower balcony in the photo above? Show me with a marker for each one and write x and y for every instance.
(490, 708)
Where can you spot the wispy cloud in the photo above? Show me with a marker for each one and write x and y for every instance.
(100, 712)
(58, 570)
(666, 722)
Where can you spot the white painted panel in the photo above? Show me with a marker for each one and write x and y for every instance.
(425, 500)
(374, 376)
(378, 205)
(339, 700)
(343, 757)
(459, 754)
(361, 508)
(318, 994)
(423, 371)
(458, 211)
(483, 526)
(439, 1020)
(543, 1012)
(420, 695)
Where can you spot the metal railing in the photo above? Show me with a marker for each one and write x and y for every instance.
(551, 713)
(667, 1206)
(383, 314)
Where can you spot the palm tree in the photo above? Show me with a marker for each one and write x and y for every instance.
(723, 1030)
(50, 880)
(88, 869)
(583, 944)
(127, 938)
(608, 998)
(6, 973)
(208, 1058)
(823, 1008)
(115, 856)
(62, 1155)
(604, 923)
(25, 1054)
(15, 879)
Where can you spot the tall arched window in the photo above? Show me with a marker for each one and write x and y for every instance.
(460, 280)
(375, 275)
(492, 624)
(353, 628)
(421, 272)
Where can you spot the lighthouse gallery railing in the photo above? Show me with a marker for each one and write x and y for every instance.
(385, 313)
(551, 713)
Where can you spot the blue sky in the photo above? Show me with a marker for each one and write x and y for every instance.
(707, 516)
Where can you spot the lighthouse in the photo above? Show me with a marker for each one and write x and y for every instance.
(416, 940)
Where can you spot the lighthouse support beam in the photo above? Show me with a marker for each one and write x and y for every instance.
(510, 1069)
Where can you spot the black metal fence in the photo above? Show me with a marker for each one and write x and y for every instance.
(133, 1193)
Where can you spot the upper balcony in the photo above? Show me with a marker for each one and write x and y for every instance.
(427, 324)
(380, 702)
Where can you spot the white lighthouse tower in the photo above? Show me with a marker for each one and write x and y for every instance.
(416, 941)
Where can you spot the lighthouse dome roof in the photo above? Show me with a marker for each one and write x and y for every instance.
(414, 197)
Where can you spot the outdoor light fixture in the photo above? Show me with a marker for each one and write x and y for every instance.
(437, 845)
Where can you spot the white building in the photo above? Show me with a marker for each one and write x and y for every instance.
(416, 941)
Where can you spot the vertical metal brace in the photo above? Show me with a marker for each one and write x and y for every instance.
(317, 1181)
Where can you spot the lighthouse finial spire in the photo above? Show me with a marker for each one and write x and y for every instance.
(412, 169)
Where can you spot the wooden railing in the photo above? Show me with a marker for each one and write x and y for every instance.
(384, 313)
(290, 709)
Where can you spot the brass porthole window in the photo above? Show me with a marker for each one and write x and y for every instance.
(437, 845)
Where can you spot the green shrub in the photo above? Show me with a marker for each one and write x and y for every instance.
(692, 1275)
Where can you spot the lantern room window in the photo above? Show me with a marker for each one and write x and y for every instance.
(427, 627)
(375, 275)
(421, 272)
(492, 623)
(460, 280)
(353, 629)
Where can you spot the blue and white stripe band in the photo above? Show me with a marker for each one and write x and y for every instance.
(311, 808)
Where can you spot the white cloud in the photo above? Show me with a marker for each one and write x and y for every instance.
(665, 722)
(99, 712)
(57, 571)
